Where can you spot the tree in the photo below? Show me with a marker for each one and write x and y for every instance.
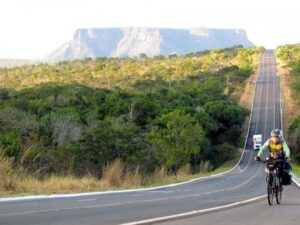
(112, 138)
(223, 153)
(211, 90)
(293, 138)
(176, 138)
(146, 107)
(224, 112)
(64, 128)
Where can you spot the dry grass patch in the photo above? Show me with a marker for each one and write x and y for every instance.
(245, 97)
(246, 92)
(205, 167)
(8, 177)
(57, 184)
(159, 176)
(184, 171)
(115, 176)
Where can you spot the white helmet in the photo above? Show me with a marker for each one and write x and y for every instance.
(276, 133)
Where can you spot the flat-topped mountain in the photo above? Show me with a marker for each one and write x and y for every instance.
(131, 42)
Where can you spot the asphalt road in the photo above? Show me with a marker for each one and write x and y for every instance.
(246, 181)
(253, 214)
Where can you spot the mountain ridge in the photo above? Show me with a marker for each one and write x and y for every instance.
(133, 41)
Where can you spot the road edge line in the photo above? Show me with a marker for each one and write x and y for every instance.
(295, 179)
(197, 212)
(249, 124)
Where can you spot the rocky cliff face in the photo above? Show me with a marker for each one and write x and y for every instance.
(123, 42)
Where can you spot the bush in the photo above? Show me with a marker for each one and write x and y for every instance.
(222, 153)
(176, 139)
(293, 138)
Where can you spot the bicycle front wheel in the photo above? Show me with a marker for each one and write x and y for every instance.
(270, 189)
(278, 192)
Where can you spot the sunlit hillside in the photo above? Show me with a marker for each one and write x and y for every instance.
(76, 118)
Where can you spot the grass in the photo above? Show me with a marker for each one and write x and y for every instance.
(116, 176)
(296, 169)
(246, 92)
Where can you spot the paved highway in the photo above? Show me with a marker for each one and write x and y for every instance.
(244, 182)
(253, 214)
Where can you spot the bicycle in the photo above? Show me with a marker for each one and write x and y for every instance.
(274, 181)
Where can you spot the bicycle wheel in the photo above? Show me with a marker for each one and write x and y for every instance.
(278, 191)
(270, 189)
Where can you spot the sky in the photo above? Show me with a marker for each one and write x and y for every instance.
(31, 29)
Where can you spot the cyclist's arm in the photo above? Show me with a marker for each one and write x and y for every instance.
(286, 149)
(263, 149)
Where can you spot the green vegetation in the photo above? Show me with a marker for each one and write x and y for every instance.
(79, 118)
(296, 169)
(290, 59)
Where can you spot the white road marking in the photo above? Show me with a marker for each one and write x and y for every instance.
(267, 101)
(295, 181)
(158, 191)
(240, 168)
(275, 100)
(258, 108)
(87, 200)
(197, 212)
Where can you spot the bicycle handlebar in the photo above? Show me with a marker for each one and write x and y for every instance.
(267, 160)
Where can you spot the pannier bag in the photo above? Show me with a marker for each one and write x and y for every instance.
(286, 178)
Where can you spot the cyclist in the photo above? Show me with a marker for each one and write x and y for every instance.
(277, 149)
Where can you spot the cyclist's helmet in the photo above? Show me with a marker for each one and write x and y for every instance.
(276, 133)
